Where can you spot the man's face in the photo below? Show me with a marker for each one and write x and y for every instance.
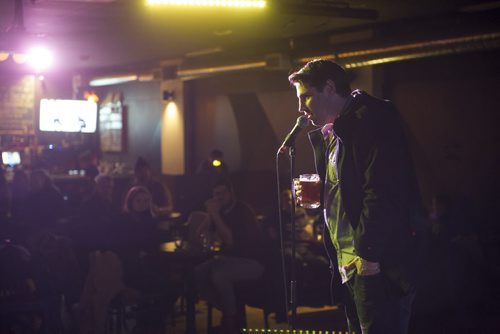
(316, 105)
(141, 202)
(222, 195)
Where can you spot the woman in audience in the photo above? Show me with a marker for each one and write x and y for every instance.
(136, 239)
(161, 198)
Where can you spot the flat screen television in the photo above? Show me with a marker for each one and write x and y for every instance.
(68, 116)
(11, 158)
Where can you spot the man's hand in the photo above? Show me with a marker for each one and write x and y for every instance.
(221, 229)
(363, 267)
(212, 206)
(297, 187)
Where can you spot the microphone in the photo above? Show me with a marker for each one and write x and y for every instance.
(302, 122)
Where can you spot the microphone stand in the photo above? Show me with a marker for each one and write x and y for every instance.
(293, 282)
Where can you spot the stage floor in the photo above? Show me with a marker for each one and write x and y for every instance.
(479, 319)
(326, 319)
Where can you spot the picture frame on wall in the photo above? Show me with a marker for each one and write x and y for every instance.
(112, 122)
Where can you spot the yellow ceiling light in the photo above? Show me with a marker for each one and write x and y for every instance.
(91, 96)
(20, 58)
(210, 3)
(4, 55)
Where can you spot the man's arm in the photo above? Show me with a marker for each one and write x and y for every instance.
(222, 230)
(379, 151)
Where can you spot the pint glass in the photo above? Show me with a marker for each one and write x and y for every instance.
(307, 190)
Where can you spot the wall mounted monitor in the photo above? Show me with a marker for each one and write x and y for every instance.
(11, 158)
(68, 116)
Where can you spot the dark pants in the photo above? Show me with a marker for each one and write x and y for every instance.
(374, 306)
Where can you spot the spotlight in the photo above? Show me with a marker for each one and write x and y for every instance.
(168, 95)
(40, 58)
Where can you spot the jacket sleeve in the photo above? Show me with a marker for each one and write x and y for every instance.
(379, 154)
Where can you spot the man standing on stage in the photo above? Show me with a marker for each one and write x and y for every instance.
(369, 196)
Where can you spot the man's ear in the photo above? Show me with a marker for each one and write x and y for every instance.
(330, 87)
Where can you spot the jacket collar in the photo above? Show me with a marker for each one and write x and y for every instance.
(342, 128)
(343, 123)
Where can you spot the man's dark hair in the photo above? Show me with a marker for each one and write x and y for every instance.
(224, 182)
(317, 72)
(141, 163)
(216, 154)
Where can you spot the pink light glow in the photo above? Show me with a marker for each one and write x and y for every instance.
(40, 58)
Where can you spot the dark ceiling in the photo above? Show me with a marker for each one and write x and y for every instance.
(128, 35)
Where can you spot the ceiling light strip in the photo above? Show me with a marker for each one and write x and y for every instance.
(471, 45)
(384, 60)
(308, 59)
(112, 80)
(399, 53)
(210, 3)
(404, 47)
(197, 72)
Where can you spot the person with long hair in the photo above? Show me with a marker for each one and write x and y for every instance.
(136, 239)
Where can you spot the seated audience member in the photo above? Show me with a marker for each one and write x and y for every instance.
(136, 240)
(306, 244)
(211, 170)
(17, 285)
(312, 266)
(135, 231)
(102, 285)
(4, 198)
(90, 230)
(16, 274)
(20, 190)
(87, 163)
(54, 257)
(161, 196)
(45, 205)
(235, 225)
(100, 203)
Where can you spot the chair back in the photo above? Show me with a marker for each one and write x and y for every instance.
(103, 282)
(20, 304)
